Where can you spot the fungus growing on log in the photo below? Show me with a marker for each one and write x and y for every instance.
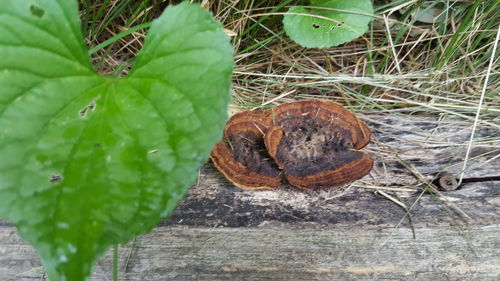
(242, 156)
(315, 143)
(312, 143)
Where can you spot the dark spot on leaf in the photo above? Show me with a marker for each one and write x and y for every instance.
(316, 26)
(37, 11)
(55, 178)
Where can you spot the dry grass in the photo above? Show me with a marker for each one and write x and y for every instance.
(399, 66)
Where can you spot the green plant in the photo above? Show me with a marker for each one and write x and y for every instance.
(88, 161)
(328, 23)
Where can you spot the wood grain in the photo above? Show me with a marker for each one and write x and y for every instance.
(221, 232)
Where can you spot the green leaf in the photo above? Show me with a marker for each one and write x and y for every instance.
(88, 161)
(334, 22)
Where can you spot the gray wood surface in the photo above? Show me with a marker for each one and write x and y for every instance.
(385, 227)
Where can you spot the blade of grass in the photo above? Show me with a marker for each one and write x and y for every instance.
(480, 103)
(118, 37)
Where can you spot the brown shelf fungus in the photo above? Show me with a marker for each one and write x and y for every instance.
(315, 143)
(242, 156)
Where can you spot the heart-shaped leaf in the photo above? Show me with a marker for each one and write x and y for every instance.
(88, 161)
(334, 22)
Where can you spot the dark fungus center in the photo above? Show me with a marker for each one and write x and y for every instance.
(249, 149)
(310, 146)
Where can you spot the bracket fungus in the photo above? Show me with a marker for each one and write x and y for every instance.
(242, 156)
(313, 144)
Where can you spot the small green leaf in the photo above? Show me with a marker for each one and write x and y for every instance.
(334, 22)
(88, 161)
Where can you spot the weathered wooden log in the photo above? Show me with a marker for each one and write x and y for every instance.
(389, 225)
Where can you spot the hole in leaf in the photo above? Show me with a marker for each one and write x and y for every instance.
(339, 24)
(55, 178)
(37, 11)
(315, 25)
(84, 111)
